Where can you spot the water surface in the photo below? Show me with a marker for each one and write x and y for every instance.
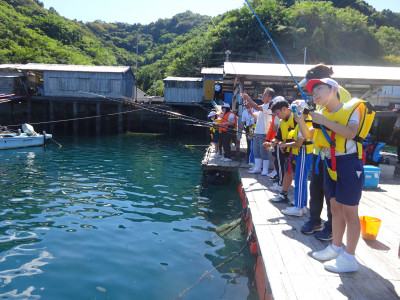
(116, 217)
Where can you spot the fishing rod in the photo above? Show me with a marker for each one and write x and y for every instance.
(169, 113)
(303, 95)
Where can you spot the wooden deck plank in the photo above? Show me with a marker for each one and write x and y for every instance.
(292, 272)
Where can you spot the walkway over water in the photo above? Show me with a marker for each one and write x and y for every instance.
(286, 252)
(290, 271)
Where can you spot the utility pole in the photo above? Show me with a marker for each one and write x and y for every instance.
(227, 52)
(137, 55)
(305, 54)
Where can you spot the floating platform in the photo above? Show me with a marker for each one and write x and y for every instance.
(285, 268)
(238, 159)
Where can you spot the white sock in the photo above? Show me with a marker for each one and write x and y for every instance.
(349, 257)
(336, 248)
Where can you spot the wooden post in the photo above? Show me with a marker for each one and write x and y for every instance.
(98, 120)
(51, 113)
(29, 109)
(75, 115)
(120, 118)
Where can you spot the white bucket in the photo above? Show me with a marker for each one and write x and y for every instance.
(387, 171)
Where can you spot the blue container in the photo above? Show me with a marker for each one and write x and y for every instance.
(372, 175)
(228, 97)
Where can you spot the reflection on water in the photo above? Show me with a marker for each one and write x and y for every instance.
(120, 217)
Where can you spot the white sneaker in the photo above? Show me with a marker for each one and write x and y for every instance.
(215, 155)
(293, 211)
(280, 198)
(304, 209)
(227, 159)
(327, 254)
(341, 265)
(276, 187)
(272, 174)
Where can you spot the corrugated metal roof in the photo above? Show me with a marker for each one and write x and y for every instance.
(170, 78)
(218, 71)
(66, 68)
(355, 74)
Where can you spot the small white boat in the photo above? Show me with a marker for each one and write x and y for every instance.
(27, 138)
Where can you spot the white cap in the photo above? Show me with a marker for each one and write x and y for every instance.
(211, 114)
(226, 105)
(277, 98)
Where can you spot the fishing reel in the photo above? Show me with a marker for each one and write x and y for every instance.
(271, 148)
(303, 109)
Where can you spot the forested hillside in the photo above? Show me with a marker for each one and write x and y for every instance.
(338, 32)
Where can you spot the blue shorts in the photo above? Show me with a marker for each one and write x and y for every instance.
(350, 179)
(216, 135)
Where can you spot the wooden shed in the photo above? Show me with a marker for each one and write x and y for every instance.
(77, 81)
(12, 83)
(183, 90)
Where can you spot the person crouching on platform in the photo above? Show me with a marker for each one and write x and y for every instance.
(338, 124)
(261, 155)
(227, 124)
(214, 132)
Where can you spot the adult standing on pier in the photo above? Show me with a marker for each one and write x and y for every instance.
(228, 121)
(247, 122)
(261, 156)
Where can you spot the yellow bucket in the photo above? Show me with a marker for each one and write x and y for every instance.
(370, 227)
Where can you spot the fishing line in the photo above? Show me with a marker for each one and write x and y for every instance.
(139, 106)
(76, 119)
(207, 273)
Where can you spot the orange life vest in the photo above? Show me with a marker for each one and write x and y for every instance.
(225, 118)
(271, 134)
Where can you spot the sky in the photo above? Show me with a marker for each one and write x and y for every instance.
(147, 11)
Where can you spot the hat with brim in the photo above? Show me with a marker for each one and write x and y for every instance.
(211, 114)
(303, 83)
(226, 105)
(313, 82)
(277, 98)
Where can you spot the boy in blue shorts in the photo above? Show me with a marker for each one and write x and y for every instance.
(338, 131)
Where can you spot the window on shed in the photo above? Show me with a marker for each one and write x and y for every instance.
(67, 84)
(53, 84)
(100, 86)
(115, 86)
(83, 85)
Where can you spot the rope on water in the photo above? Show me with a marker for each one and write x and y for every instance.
(207, 273)
(59, 145)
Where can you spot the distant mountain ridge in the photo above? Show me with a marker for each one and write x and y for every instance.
(337, 32)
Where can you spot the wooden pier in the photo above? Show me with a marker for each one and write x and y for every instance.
(285, 268)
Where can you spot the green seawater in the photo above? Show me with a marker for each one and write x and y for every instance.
(117, 217)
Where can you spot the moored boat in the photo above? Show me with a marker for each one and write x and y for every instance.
(27, 138)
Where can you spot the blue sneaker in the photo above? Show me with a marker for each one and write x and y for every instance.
(324, 235)
(310, 227)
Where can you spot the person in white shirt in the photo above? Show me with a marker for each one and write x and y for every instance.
(261, 155)
(247, 122)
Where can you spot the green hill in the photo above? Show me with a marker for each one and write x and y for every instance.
(338, 32)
